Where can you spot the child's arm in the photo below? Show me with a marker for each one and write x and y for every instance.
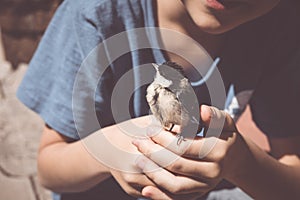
(65, 165)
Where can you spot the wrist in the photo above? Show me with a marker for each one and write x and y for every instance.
(239, 159)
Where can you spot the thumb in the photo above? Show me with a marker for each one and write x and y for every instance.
(214, 118)
(154, 193)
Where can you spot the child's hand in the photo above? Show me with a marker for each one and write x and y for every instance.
(195, 165)
(132, 183)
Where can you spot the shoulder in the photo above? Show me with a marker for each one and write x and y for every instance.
(105, 9)
(108, 17)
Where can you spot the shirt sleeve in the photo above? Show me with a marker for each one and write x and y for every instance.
(275, 104)
(48, 83)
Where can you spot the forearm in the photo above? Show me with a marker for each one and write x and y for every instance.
(78, 166)
(64, 167)
(264, 177)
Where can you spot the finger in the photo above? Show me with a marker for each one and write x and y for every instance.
(214, 118)
(195, 149)
(168, 181)
(132, 183)
(171, 161)
(156, 194)
(155, 152)
(198, 149)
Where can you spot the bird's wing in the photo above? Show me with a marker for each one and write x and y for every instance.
(170, 108)
(190, 103)
(164, 105)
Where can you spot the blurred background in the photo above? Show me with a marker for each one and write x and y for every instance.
(22, 24)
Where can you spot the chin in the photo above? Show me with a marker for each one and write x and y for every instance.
(214, 29)
(214, 26)
(217, 30)
(208, 24)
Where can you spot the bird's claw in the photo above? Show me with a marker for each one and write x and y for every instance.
(172, 126)
(180, 139)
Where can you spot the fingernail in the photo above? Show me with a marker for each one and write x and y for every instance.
(147, 192)
(152, 131)
(213, 111)
(140, 162)
(217, 114)
(136, 142)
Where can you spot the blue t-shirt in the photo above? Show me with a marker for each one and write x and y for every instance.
(75, 30)
(257, 62)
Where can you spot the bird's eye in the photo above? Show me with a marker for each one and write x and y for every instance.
(171, 70)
